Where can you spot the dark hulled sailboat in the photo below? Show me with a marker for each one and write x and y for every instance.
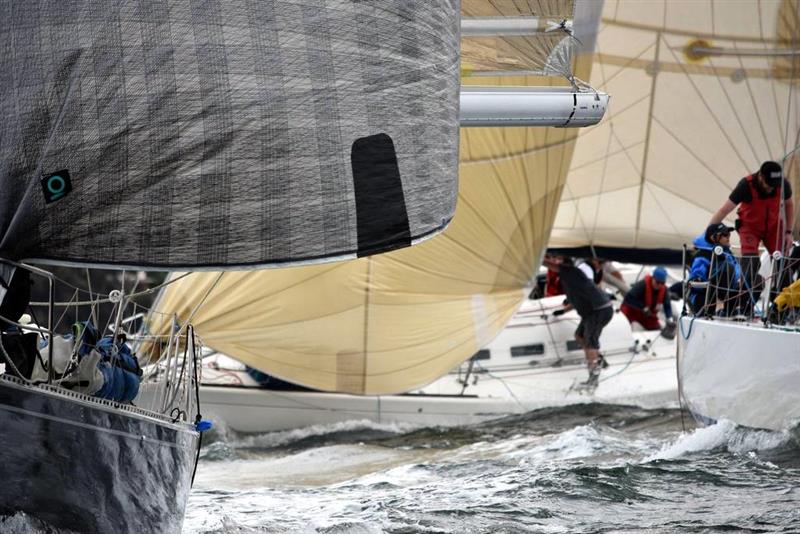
(182, 135)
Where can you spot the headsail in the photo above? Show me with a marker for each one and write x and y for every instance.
(703, 93)
(225, 134)
(397, 321)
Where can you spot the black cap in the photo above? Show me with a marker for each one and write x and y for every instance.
(714, 229)
(772, 173)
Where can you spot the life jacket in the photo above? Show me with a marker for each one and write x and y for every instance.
(789, 297)
(552, 285)
(761, 215)
(648, 293)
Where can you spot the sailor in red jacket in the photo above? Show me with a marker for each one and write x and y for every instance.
(642, 301)
(759, 197)
(760, 219)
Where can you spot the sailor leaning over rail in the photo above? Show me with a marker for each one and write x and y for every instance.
(592, 304)
(723, 274)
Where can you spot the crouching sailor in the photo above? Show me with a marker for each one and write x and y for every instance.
(641, 302)
(592, 304)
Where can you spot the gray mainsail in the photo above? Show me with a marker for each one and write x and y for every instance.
(198, 135)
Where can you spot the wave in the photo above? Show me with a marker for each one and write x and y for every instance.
(227, 445)
(724, 435)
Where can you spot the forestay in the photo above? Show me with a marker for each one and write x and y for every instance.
(397, 321)
(703, 92)
(217, 134)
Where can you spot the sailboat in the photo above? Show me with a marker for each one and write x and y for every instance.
(183, 136)
(533, 363)
(703, 94)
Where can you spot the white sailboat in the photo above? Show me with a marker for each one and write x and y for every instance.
(533, 363)
(185, 136)
(704, 92)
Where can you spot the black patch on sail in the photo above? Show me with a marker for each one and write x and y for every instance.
(56, 186)
(381, 216)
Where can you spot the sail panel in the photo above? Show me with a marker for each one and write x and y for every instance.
(701, 96)
(225, 134)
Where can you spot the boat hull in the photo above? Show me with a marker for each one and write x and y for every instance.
(742, 372)
(87, 466)
(642, 380)
(501, 382)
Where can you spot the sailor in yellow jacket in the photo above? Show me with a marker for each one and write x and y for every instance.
(789, 297)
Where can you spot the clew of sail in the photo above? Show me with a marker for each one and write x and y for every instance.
(397, 321)
(703, 93)
(183, 135)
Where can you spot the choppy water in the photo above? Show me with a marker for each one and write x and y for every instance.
(590, 468)
(580, 469)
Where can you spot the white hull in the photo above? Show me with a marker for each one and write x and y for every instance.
(742, 372)
(641, 372)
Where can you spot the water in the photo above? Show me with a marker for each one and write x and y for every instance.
(591, 468)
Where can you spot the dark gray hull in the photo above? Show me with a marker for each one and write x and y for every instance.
(89, 466)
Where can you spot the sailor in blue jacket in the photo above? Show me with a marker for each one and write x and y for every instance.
(726, 277)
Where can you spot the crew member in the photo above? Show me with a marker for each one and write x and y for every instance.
(759, 197)
(592, 304)
(641, 302)
(724, 279)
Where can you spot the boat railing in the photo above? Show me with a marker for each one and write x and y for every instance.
(167, 365)
(747, 291)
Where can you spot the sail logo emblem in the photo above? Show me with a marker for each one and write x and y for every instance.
(56, 186)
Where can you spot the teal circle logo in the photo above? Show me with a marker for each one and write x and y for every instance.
(56, 184)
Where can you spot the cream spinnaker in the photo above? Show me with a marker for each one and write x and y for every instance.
(703, 93)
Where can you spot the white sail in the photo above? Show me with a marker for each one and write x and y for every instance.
(703, 93)
(400, 320)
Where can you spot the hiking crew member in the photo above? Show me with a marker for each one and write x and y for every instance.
(592, 304)
(725, 278)
(760, 219)
(641, 302)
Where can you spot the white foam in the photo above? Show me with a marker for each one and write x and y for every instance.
(408, 475)
(722, 434)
